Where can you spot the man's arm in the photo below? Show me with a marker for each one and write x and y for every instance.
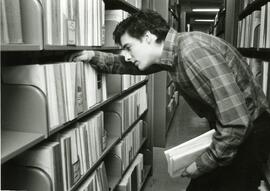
(218, 85)
(116, 64)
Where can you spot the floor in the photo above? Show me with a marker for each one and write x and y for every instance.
(185, 125)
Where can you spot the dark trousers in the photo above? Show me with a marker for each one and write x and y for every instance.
(245, 171)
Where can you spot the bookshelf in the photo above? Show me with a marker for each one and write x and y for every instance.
(253, 37)
(254, 5)
(261, 53)
(24, 141)
(120, 4)
(21, 47)
(162, 82)
(26, 120)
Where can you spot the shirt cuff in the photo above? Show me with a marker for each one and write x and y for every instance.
(205, 163)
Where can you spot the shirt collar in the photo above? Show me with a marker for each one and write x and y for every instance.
(167, 55)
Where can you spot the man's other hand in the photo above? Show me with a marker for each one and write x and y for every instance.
(83, 56)
(191, 171)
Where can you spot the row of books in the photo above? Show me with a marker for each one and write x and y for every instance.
(13, 13)
(66, 22)
(130, 107)
(70, 88)
(261, 72)
(128, 147)
(133, 179)
(130, 80)
(254, 30)
(68, 155)
(32, 178)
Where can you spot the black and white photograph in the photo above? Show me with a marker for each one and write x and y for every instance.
(135, 95)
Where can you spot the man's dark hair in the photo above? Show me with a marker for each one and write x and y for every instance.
(138, 23)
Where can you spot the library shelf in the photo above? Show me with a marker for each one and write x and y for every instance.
(53, 54)
(118, 180)
(255, 5)
(261, 53)
(66, 47)
(15, 142)
(99, 106)
(112, 141)
(120, 4)
(21, 47)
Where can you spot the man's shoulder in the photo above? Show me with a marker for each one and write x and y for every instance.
(186, 39)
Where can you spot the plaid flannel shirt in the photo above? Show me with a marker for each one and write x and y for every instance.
(216, 82)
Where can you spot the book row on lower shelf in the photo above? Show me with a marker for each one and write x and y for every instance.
(254, 30)
(65, 159)
(30, 116)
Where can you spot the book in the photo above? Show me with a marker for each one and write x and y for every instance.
(47, 12)
(265, 80)
(255, 29)
(32, 25)
(184, 154)
(263, 29)
(112, 18)
(14, 22)
(4, 26)
(130, 181)
(267, 35)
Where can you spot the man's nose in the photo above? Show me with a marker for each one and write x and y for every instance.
(127, 55)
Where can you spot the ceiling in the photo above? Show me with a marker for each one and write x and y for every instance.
(191, 4)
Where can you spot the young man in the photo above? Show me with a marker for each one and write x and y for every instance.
(216, 82)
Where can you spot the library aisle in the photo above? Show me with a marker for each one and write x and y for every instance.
(185, 125)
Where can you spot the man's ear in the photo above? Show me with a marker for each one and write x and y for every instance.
(149, 37)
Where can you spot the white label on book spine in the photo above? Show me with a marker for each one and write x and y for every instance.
(71, 32)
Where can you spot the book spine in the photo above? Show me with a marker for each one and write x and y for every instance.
(14, 22)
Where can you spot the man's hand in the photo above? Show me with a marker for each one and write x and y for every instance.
(191, 171)
(82, 56)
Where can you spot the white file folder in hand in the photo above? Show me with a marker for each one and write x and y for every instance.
(184, 154)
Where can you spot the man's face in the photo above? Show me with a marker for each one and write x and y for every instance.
(142, 52)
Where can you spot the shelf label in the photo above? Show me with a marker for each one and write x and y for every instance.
(71, 32)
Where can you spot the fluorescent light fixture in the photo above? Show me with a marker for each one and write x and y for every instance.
(205, 10)
(204, 20)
